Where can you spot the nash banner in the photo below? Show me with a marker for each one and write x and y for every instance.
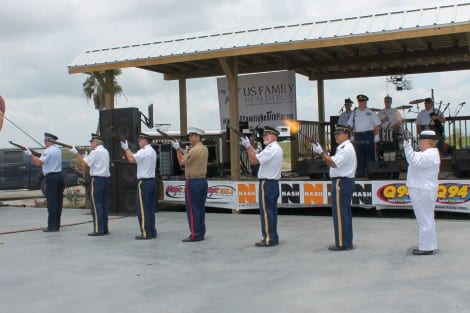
(452, 195)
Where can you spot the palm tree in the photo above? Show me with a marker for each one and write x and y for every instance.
(94, 88)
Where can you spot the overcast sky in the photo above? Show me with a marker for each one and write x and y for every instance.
(40, 38)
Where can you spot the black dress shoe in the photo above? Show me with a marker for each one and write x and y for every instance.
(93, 234)
(142, 237)
(338, 248)
(264, 244)
(422, 252)
(190, 239)
(47, 230)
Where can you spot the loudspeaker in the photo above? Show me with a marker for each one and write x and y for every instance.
(461, 163)
(117, 125)
(315, 169)
(123, 187)
(383, 169)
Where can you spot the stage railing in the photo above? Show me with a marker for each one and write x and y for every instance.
(456, 130)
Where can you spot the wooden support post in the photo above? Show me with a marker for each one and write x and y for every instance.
(230, 68)
(108, 89)
(183, 107)
(321, 111)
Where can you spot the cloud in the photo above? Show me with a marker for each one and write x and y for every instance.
(40, 38)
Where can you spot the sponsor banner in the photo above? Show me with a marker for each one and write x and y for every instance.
(264, 99)
(453, 195)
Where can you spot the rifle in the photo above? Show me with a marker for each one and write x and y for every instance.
(237, 132)
(166, 136)
(63, 145)
(36, 154)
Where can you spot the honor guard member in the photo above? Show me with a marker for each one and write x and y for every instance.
(146, 160)
(422, 183)
(433, 119)
(365, 125)
(270, 161)
(195, 163)
(51, 162)
(98, 162)
(342, 170)
(344, 117)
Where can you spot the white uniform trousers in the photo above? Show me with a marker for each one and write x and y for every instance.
(423, 202)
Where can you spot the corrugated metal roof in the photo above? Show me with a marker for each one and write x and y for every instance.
(437, 16)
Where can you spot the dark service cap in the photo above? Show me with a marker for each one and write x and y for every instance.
(429, 100)
(50, 137)
(348, 100)
(145, 136)
(341, 129)
(270, 130)
(362, 98)
(96, 136)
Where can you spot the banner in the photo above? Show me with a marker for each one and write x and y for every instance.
(452, 196)
(264, 99)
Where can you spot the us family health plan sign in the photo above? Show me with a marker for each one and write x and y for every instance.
(264, 99)
(452, 195)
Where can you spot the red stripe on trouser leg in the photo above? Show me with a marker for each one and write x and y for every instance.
(191, 213)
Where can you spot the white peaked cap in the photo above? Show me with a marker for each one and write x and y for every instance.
(195, 130)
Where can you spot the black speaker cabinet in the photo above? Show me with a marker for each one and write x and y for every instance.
(461, 163)
(383, 169)
(119, 124)
(123, 187)
(315, 169)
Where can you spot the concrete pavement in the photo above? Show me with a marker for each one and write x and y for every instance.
(69, 271)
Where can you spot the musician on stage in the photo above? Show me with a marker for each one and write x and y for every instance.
(433, 119)
(344, 117)
(390, 123)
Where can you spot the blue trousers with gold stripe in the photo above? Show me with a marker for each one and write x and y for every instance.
(146, 202)
(341, 194)
(100, 203)
(195, 198)
(268, 195)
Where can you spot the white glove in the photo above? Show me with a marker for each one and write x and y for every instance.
(407, 143)
(376, 138)
(316, 148)
(244, 141)
(124, 145)
(175, 144)
(351, 138)
(73, 150)
(27, 152)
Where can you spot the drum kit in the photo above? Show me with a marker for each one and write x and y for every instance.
(389, 137)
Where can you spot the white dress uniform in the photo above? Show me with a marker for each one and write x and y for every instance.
(422, 183)
(146, 160)
(270, 160)
(345, 160)
(98, 162)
